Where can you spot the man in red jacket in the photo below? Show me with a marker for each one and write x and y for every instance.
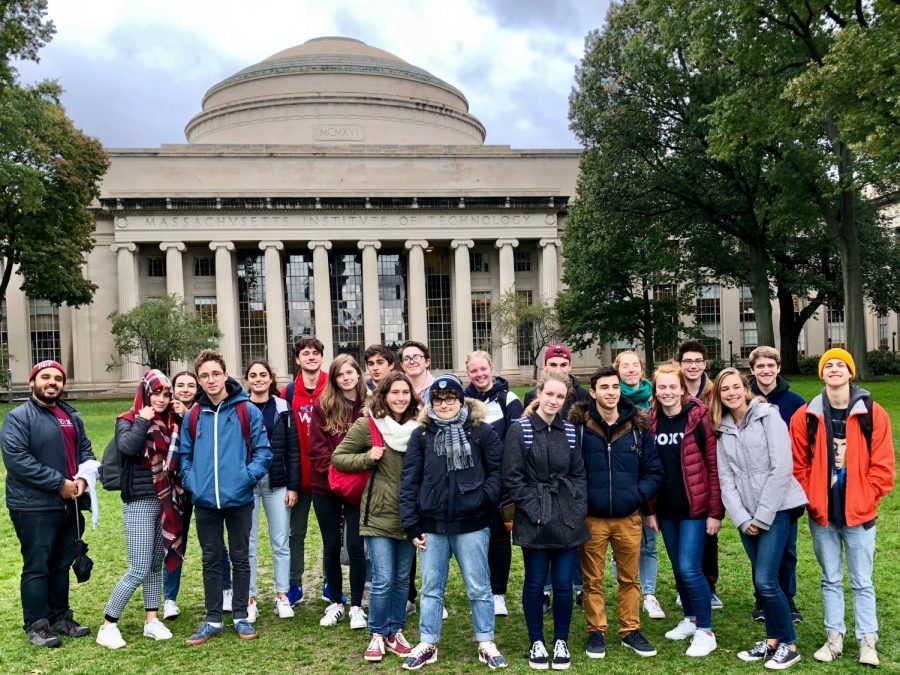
(301, 395)
(844, 459)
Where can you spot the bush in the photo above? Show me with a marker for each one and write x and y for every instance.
(714, 367)
(809, 365)
(884, 362)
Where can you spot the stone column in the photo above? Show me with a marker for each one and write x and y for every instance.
(371, 299)
(417, 310)
(128, 299)
(226, 306)
(18, 334)
(510, 361)
(462, 303)
(550, 269)
(322, 292)
(275, 320)
(174, 267)
(83, 367)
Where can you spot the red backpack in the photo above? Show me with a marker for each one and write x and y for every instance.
(350, 486)
(243, 416)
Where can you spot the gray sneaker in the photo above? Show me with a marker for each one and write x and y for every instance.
(40, 636)
(245, 630)
(66, 625)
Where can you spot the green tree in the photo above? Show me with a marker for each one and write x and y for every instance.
(159, 331)
(49, 172)
(516, 320)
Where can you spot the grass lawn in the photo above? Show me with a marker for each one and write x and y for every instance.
(301, 645)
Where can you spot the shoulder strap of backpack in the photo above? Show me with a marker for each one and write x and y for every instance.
(527, 432)
(700, 435)
(866, 423)
(638, 446)
(244, 418)
(812, 428)
(377, 438)
(193, 419)
(571, 436)
(289, 395)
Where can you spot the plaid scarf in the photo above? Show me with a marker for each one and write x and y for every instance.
(450, 440)
(160, 457)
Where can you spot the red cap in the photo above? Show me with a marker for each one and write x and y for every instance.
(557, 351)
(38, 367)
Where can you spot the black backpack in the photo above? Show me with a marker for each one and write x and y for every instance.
(865, 425)
(111, 466)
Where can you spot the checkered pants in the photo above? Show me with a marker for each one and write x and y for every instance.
(143, 534)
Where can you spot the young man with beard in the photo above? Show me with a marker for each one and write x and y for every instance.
(765, 364)
(302, 395)
(44, 443)
(623, 473)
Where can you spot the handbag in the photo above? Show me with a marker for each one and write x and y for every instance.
(350, 486)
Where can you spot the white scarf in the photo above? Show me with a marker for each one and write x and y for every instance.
(396, 435)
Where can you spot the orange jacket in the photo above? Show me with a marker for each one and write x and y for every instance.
(870, 476)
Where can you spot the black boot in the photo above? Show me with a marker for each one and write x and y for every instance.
(66, 625)
(40, 636)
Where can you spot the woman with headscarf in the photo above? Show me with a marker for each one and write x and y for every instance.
(146, 437)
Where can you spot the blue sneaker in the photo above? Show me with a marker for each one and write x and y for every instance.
(327, 598)
(204, 633)
(245, 630)
(295, 594)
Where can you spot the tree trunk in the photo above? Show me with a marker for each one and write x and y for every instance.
(788, 331)
(762, 300)
(854, 299)
(649, 338)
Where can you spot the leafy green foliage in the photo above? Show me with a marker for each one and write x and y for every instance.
(23, 31)
(514, 316)
(159, 331)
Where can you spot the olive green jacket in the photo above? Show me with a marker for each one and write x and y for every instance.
(380, 515)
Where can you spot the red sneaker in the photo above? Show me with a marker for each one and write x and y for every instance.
(375, 650)
(397, 644)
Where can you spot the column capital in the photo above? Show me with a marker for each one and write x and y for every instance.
(277, 245)
(550, 242)
(129, 246)
(500, 243)
(177, 245)
(421, 243)
(456, 243)
(227, 245)
(374, 243)
(313, 245)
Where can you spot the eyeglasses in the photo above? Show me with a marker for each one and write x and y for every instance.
(206, 377)
(444, 401)
(693, 362)
(415, 358)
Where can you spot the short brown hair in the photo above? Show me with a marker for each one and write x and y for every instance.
(418, 345)
(380, 350)
(378, 406)
(765, 352)
(691, 346)
(307, 342)
(209, 355)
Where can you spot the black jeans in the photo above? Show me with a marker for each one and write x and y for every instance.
(711, 561)
(211, 525)
(334, 516)
(47, 541)
(499, 554)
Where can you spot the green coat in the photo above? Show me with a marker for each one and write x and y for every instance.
(379, 517)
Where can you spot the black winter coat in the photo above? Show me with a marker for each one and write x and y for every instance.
(622, 466)
(435, 499)
(137, 482)
(547, 485)
(285, 468)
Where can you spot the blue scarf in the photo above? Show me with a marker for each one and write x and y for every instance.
(450, 440)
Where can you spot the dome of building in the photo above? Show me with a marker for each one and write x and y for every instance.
(334, 90)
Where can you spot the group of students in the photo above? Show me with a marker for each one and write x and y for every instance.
(449, 470)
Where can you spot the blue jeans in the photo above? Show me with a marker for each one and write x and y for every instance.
(278, 519)
(649, 561)
(391, 562)
(561, 564)
(766, 551)
(685, 540)
(859, 546)
(471, 552)
(577, 580)
(787, 571)
(172, 580)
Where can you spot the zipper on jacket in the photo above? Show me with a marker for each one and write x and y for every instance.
(609, 460)
(216, 455)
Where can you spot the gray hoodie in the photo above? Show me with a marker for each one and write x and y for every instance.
(756, 467)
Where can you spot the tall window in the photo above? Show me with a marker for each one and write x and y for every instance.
(882, 331)
(156, 266)
(299, 297)
(347, 303)
(440, 322)
(204, 266)
(749, 339)
(392, 297)
(709, 318)
(664, 351)
(45, 344)
(522, 261)
(481, 319)
(207, 307)
(525, 334)
(251, 277)
(835, 335)
(478, 262)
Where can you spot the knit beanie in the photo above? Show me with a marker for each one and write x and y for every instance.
(837, 353)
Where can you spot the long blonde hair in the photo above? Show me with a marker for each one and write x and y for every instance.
(716, 409)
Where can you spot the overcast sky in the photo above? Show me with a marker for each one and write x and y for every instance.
(134, 71)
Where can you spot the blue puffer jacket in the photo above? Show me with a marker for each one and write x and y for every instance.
(622, 466)
(214, 466)
(35, 457)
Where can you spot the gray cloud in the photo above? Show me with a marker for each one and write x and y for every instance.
(564, 16)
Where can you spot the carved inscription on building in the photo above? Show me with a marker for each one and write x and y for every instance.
(220, 222)
(340, 132)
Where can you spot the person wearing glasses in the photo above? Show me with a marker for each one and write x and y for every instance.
(221, 471)
(415, 361)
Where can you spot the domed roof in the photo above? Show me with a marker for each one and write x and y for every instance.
(334, 90)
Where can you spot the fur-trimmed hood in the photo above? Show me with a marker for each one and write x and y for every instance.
(477, 412)
(581, 414)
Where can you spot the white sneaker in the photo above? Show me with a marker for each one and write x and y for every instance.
(156, 630)
(653, 608)
(109, 636)
(410, 607)
(832, 649)
(702, 644)
(685, 629)
(283, 608)
(500, 606)
(715, 602)
(445, 615)
(227, 598)
(357, 618)
(333, 613)
(252, 610)
(170, 609)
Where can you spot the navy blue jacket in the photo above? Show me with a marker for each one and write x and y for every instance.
(435, 499)
(622, 466)
(35, 457)
(787, 401)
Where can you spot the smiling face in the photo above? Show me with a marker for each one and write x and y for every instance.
(309, 359)
(733, 393)
(446, 405)
(347, 378)
(552, 398)
(398, 398)
(185, 389)
(160, 400)
(693, 364)
(606, 393)
(47, 385)
(630, 369)
(836, 373)
(668, 392)
(413, 362)
(259, 378)
(377, 367)
(766, 370)
(480, 374)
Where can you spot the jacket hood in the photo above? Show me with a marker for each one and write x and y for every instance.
(581, 414)
(781, 386)
(232, 388)
(321, 383)
(499, 385)
(857, 394)
(755, 410)
(477, 412)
